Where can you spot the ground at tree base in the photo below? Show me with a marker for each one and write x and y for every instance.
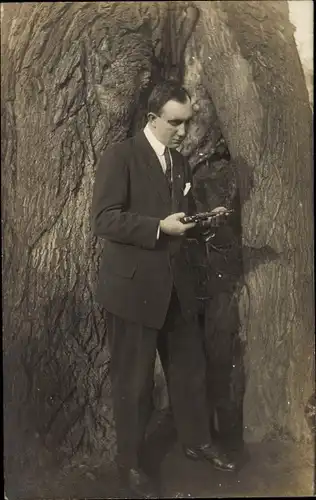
(271, 469)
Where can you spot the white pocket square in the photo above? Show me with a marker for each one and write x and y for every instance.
(186, 188)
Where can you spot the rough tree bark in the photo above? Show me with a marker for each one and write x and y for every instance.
(74, 80)
(252, 70)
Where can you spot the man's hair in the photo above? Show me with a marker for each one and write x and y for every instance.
(166, 91)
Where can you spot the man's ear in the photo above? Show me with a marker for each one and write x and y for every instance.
(151, 118)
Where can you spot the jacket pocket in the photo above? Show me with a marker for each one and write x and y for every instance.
(122, 268)
(118, 265)
(118, 260)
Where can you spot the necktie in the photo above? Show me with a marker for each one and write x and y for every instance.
(168, 169)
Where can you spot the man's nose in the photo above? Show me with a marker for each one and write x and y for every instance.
(181, 130)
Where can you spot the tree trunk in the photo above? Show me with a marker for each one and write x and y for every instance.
(250, 66)
(74, 80)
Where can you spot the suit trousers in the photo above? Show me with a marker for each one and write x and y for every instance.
(133, 352)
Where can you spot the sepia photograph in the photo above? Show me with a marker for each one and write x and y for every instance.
(158, 281)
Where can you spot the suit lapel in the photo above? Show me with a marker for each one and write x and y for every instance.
(152, 168)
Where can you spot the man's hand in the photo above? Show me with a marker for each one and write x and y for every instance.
(219, 210)
(171, 225)
(217, 218)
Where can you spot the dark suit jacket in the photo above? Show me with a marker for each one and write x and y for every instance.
(137, 271)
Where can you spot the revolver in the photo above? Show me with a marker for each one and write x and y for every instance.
(205, 216)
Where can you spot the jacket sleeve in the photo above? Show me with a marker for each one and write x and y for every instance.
(110, 215)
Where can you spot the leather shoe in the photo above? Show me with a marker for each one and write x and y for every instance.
(212, 454)
(138, 484)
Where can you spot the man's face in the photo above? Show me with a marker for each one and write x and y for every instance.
(170, 127)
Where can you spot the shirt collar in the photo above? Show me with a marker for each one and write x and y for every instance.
(157, 146)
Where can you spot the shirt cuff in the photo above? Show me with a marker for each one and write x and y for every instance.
(158, 232)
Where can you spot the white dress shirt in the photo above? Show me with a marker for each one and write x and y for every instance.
(159, 149)
(157, 146)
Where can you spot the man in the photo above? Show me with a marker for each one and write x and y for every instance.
(142, 190)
